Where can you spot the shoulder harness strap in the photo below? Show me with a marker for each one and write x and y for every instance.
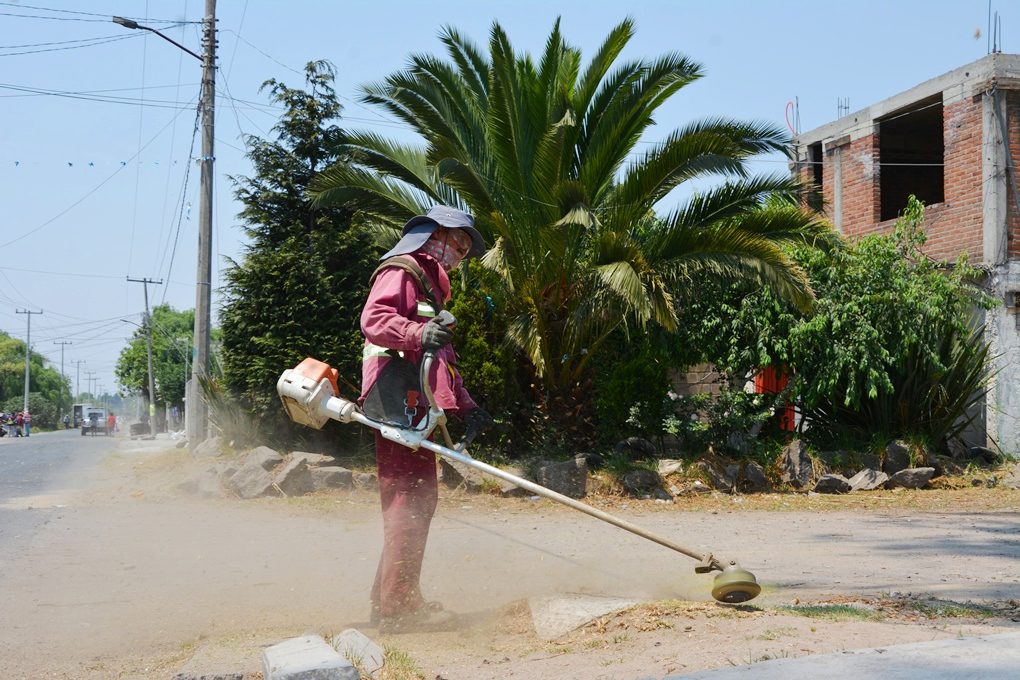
(414, 269)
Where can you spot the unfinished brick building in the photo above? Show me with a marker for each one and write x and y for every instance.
(954, 142)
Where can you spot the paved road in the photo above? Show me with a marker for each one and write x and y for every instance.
(35, 466)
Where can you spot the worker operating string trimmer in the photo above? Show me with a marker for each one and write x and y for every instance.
(402, 319)
(410, 382)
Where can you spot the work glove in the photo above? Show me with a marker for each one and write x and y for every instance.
(435, 336)
(477, 422)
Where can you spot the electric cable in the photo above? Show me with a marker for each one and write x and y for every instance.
(70, 47)
(91, 191)
(94, 14)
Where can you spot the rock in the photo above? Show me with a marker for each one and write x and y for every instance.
(897, 457)
(831, 483)
(641, 481)
(642, 447)
(716, 479)
(360, 650)
(835, 461)
(795, 465)
(911, 478)
(506, 489)
(205, 484)
(556, 616)
(251, 481)
(313, 459)
(264, 457)
(366, 480)
(294, 479)
(1012, 478)
(181, 444)
(569, 478)
(594, 461)
(868, 480)
(210, 448)
(331, 477)
(306, 658)
(754, 479)
(984, 454)
(226, 471)
(456, 475)
(668, 466)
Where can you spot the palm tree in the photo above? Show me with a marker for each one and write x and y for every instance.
(544, 156)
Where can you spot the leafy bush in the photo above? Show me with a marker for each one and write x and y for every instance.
(44, 411)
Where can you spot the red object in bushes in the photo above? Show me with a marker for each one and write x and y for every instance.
(771, 380)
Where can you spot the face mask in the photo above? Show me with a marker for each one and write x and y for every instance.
(447, 249)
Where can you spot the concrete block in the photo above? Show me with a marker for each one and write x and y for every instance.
(868, 480)
(210, 448)
(306, 658)
(252, 481)
(264, 457)
(294, 479)
(331, 477)
(313, 459)
(360, 650)
(556, 616)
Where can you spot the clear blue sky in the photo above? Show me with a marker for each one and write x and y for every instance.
(96, 185)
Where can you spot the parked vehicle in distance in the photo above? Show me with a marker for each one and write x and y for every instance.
(94, 421)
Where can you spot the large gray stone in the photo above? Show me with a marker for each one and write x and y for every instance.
(897, 457)
(366, 480)
(264, 457)
(456, 475)
(306, 658)
(831, 483)
(911, 478)
(635, 445)
(641, 481)
(717, 479)
(210, 448)
(754, 479)
(251, 481)
(668, 466)
(360, 650)
(507, 490)
(868, 480)
(313, 459)
(569, 478)
(795, 465)
(294, 478)
(556, 616)
(331, 477)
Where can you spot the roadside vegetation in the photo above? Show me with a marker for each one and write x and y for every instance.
(577, 326)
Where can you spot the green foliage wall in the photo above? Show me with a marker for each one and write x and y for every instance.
(172, 333)
(299, 289)
(45, 382)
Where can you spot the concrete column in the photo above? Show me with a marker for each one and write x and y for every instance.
(837, 189)
(994, 180)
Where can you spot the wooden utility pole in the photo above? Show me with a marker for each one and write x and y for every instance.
(198, 410)
(28, 350)
(148, 345)
(60, 398)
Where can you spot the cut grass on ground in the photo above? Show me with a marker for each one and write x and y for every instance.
(832, 612)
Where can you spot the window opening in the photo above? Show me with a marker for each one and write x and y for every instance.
(815, 198)
(911, 156)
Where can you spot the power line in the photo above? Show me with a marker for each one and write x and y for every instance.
(133, 101)
(69, 47)
(92, 191)
(18, 5)
(44, 92)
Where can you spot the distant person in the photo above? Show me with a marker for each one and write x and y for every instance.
(67, 422)
(27, 420)
(19, 418)
(111, 424)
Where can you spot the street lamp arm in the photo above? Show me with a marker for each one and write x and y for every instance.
(128, 23)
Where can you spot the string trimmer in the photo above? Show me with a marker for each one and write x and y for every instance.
(310, 397)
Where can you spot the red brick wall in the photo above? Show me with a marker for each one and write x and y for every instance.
(1013, 125)
(953, 226)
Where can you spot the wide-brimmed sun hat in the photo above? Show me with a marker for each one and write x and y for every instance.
(420, 227)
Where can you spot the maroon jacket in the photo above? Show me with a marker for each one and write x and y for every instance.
(391, 319)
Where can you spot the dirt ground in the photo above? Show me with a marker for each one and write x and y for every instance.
(128, 578)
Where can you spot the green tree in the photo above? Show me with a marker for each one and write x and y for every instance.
(171, 356)
(300, 287)
(47, 387)
(545, 154)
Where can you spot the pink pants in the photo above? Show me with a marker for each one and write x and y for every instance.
(409, 492)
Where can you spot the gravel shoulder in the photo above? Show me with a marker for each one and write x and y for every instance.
(129, 578)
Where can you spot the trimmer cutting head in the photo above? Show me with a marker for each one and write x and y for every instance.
(735, 585)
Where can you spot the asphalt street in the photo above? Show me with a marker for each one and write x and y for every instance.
(36, 466)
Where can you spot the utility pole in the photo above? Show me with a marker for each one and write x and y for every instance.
(88, 380)
(60, 400)
(77, 379)
(198, 418)
(197, 410)
(148, 344)
(28, 345)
